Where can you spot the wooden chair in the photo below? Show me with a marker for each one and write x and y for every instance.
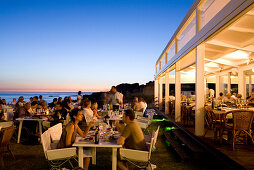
(5, 137)
(242, 121)
(213, 123)
(172, 108)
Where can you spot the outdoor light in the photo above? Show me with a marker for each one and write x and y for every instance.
(252, 69)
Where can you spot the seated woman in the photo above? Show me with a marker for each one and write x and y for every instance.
(87, 112)
(94, 108)
(70, 131)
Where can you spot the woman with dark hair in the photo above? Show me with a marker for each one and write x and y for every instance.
(70, 131)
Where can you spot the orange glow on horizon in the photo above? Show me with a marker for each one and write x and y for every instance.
(54, 90)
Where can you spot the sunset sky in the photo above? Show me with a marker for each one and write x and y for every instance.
(88, 45)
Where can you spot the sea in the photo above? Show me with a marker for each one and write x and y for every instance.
(47, 96)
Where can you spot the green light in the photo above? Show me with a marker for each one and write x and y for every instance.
(169, 128)
(167, 143)
(160, 120)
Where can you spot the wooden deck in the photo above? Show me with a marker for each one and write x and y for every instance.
(243, 154)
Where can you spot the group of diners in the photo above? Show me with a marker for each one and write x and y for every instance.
(139, 104)
(131, 136)
(84, 111)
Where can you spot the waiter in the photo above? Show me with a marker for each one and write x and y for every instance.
(116, 99)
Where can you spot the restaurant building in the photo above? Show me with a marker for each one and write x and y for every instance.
(213, 45)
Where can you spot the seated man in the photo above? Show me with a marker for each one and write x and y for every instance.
(132, 136)
(59, 115)
(228, 98)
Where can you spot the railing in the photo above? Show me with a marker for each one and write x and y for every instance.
(199, 15)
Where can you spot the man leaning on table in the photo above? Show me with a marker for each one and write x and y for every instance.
(132, 136)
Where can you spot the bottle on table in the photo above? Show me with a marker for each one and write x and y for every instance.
(97, 136)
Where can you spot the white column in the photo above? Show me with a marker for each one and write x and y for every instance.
(167, 93)
(177, 93)
(250, 85)
(241, 83)
(200, 93)
(219, 85)
(229, 82)
(160, 93)
(156, 92)
(217, 88)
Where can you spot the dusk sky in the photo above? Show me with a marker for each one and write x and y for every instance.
(88, 45)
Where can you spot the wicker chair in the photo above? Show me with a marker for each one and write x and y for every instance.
(215, 123)
(5, 137)
(242, 121)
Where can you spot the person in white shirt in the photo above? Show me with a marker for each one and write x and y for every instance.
(171, 97)
(79, 97)
(116, 99)
(142, 104)
(88, 113)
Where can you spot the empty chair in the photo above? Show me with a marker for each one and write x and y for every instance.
(5, 137)
(242, 121)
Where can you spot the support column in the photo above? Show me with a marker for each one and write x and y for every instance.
(160, 93)
(241, 83)
(177, 93)
(250, 85)
(217, 88)
(167, 93)
(229, 82)
(156, 92)
(200, 92)
(219, 85)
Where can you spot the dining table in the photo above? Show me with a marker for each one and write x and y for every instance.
(38, 119)
(108, 139)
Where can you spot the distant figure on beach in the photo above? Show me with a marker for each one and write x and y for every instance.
(116, 99)
(79, 97)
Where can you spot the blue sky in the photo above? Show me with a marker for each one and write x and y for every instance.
(89, 45)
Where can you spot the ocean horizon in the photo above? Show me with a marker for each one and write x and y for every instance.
(47, 96)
